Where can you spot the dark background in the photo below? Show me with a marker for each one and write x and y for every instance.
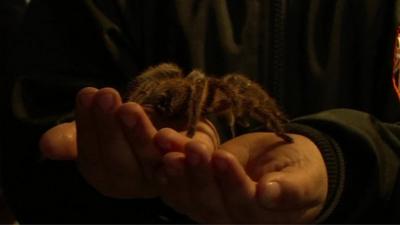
(11, 15)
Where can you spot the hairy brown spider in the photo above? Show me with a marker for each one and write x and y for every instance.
(190, 98)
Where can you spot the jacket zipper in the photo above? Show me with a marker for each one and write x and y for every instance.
(278, 48)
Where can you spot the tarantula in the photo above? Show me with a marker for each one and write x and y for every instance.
(190, 98)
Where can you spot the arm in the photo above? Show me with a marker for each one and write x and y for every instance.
(170, 159)
(363, 156)
(360, 154)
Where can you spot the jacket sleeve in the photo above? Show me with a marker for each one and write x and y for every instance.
(362, 157)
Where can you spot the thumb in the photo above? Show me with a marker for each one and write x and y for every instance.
(285, 190)
(59, 142)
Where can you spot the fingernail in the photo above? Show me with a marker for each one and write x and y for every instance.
(128, 120)
(106, 102)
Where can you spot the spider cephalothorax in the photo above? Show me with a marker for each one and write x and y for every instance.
(190, 98)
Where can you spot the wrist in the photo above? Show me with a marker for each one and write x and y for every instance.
(334, 163)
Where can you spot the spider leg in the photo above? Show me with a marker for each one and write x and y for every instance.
(231, 122)
(160, 72)
(271, 119)
(238, 82)
(224, 108)
(255, 101)
(198, 96)
(142, 85)
(226, 103)
(194, 76)
(273, 108)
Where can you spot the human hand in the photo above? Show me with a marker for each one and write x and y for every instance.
(96, 140)
(112, 144)
(254, 178)
(204, 180)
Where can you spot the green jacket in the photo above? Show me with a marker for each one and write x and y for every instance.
(327, 62)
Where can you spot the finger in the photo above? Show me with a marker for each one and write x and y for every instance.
(59, 142)
(300, 183)
(237, 189)
(88, 155)
(139, 132)
(207, 133)
(203, 189)
(288, 190)
(174, 189)
(198, 192)
(90, 160)
(169, 140)
(172, 144)
(115, 151)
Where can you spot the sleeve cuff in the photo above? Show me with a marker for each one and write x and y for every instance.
(334, 162)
